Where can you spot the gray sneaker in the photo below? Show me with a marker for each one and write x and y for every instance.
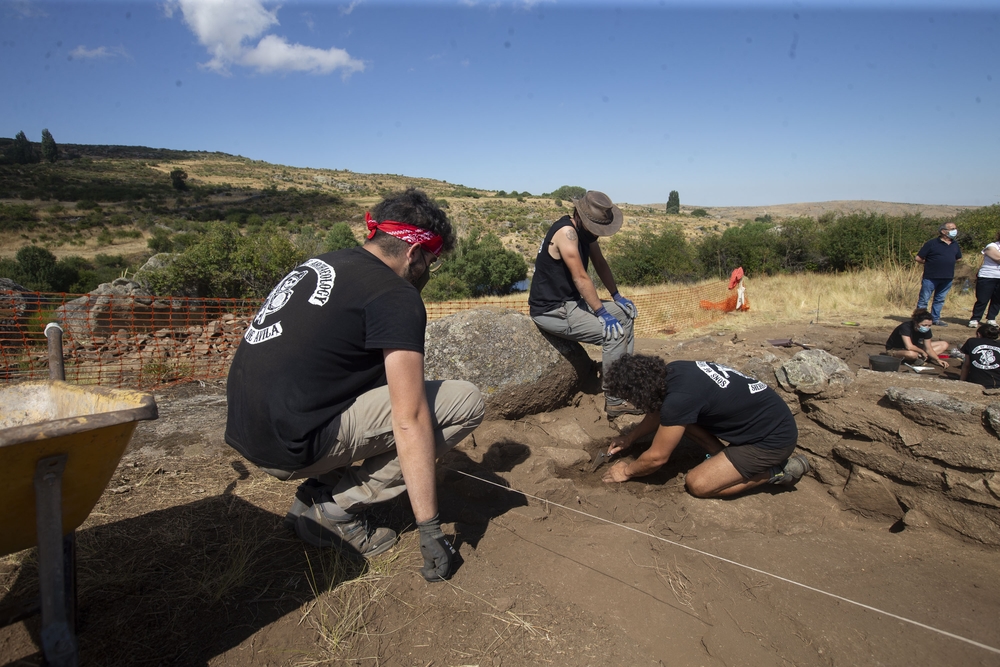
(308, 494)
(621, 408)
(353, 536)
(793, 470)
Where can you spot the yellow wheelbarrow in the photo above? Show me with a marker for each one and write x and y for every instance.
(59, 446)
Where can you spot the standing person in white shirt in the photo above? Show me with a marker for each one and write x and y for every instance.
(988, 285)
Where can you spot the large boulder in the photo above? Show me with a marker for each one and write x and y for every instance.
(816, 373)
(519, 369)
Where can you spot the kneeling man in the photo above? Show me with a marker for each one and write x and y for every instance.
(331, 372)
(709, 403)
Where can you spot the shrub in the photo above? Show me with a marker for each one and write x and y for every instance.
(978, 227)
(869, 239)
(482, 265)
(160, 241)
(225, 264)
(178, 178)
(699, 213)
(568, 192)
(647, 258)
(339, 237)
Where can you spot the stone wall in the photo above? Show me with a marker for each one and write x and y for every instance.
(915, 449)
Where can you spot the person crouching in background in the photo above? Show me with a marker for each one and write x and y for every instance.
(982, 357)
(913, 340)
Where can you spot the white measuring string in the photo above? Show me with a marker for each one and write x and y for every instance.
(960, 638)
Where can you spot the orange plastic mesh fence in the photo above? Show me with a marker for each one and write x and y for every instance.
(660, 313)
(143, 342)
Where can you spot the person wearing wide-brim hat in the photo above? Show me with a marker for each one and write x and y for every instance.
(563, 300)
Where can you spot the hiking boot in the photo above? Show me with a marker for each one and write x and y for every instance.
(791, 472)
(308, 494)
(353, 536)
(621, 408)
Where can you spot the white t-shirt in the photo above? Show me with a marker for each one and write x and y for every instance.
(990, 267)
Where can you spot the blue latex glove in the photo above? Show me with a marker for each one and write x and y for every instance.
(612, 327)
(626, 305)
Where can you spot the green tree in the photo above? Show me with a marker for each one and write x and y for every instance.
(569, 192)
(50, 152)
(648, 258)
(226, 264)
(37, 267)
(21, 151)
(178, 177)
(870, 239)
(482, 265)
(339, 237)
(674, 202)
(978, 227)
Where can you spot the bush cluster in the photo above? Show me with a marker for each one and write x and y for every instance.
(764, 246)
(479, 266)
(37, 269)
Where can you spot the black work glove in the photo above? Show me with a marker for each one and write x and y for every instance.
(436, 549)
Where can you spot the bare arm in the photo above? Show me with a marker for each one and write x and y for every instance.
(412, 428)
(992, 252)
(918, 259)
(565, 241)
(908, 344)
(651, 460)
(649, 423)
(602, 268)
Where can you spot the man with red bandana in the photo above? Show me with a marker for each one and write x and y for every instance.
(330, 372)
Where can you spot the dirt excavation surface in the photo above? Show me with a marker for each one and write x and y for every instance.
(185, 561)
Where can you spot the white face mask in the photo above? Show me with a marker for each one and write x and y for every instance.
(952, 233)
(923, 329)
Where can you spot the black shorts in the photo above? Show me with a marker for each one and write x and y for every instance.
(751, 460)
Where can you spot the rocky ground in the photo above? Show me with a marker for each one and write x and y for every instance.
(184, 560)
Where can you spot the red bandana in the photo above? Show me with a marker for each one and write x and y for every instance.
(410, 233)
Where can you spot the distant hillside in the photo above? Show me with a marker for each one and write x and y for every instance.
(818, 209)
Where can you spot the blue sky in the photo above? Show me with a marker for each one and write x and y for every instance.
(730, 103)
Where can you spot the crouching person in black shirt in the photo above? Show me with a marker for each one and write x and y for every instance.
(331, 372)
(709, 403)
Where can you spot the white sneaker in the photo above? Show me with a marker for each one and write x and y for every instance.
(973, 324)
(992, 323)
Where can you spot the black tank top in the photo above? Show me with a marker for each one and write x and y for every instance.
(552, 284)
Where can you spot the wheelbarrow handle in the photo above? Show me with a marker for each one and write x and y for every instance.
(54, 332)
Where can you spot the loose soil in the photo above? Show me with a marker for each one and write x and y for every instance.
(185, 561)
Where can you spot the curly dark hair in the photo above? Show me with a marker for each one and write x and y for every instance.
(920, 314)
(639, 379)
(413, 207)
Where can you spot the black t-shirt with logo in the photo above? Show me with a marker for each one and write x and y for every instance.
(552, 283)
(895, 341)
(315, 346)
(732, 406)
(984, 361)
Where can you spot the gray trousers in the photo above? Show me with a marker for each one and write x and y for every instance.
(363, 432)
(577, 322)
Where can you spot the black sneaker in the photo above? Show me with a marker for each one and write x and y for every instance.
(619, 409)
(791, 472)
(353, 536)
(308, 494)
(940, 323)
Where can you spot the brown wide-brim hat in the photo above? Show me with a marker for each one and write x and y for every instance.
(598, 214)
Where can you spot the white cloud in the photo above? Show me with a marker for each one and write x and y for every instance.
(23, 9)
(350, 8)
(273, 54)
(100, 52)
(227, 28)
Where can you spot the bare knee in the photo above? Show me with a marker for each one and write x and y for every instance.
(697, 485)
